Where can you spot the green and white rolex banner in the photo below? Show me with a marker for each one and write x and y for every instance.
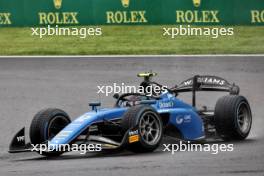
(126, 12)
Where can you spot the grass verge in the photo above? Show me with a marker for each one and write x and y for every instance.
(131, 40)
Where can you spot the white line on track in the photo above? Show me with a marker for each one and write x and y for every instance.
(120, 56)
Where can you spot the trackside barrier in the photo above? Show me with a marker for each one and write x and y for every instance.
(96, 12)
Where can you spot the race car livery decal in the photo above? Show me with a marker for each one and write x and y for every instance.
(133, 138)
(205, 80)
(168, 104)
(183, 119)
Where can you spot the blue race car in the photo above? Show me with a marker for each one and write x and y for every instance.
(138, 121)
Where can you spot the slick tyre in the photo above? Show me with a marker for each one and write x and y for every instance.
(144, 123)
(233, 117)
(46, 124)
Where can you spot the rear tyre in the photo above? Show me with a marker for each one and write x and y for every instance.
(45, 125)
(233, 117)
(147, 122)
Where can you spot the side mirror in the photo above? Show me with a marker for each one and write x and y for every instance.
(116, 96)
(234, 90)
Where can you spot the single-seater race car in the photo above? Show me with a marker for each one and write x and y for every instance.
(138, 121)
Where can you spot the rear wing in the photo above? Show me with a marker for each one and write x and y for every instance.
(206, 83)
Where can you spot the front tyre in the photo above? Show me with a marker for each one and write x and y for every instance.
(46, 124)
(233, 117)
(147, 122)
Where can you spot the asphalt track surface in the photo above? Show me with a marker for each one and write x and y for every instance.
(30, 84)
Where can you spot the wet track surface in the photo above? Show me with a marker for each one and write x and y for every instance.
(30, 84)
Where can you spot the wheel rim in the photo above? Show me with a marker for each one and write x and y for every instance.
(243, 117)
(56, 125)
(150, 128)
